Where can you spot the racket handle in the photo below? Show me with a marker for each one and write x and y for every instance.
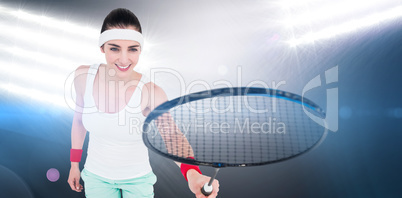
(206, 189)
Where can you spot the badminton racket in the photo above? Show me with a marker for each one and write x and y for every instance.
(234, 127)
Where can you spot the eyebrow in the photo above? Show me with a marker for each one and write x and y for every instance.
(119, 46)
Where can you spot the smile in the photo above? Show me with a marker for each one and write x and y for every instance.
(121, 68)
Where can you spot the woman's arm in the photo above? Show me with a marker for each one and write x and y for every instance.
(78, 131)
(152, 96)
(155, 96)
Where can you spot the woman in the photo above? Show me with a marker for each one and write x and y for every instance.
(109, 97)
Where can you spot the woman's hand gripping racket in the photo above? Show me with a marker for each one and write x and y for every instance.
(234, 127)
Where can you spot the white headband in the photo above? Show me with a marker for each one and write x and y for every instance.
(121, 34)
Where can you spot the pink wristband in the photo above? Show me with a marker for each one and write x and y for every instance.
(186, 167)
(75, 155)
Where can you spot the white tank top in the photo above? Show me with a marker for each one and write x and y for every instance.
(115, 149)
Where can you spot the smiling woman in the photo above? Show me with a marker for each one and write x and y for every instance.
(109, 97)
(123, 53)
(120, 41)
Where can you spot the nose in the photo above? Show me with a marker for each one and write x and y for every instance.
(123, 59)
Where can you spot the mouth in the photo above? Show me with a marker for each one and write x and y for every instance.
(121, 68)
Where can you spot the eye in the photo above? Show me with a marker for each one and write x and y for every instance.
(114, 49)
(133, 49)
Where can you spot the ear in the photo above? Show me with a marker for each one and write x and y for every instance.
(101, 49)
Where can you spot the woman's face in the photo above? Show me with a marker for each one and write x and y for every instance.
(122, 56)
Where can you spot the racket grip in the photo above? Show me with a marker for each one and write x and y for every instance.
(206, 189)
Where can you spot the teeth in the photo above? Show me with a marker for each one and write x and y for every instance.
(123, 67)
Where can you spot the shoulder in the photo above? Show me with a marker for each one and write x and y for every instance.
(153, 87)
(82, 69)
(80, 77)
(154, 91)
(153, 95)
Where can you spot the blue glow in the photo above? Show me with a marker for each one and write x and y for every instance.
(345, 112)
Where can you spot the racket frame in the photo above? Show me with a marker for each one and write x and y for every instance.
(230, 91)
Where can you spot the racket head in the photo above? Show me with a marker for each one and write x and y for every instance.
(236, 110)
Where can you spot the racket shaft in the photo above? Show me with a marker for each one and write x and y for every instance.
(213, 177)
(207, 188)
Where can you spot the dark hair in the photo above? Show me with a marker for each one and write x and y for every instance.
(121, 18)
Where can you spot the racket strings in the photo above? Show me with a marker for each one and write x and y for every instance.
(235, 130)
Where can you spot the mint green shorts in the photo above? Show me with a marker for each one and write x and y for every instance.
(99, 187)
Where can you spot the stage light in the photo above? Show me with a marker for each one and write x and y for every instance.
(56, 24)
(49, 41)
(294, 3)
(330, 11)
(31, 75)
(347, 27)
(35, 94)
(45, 59)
